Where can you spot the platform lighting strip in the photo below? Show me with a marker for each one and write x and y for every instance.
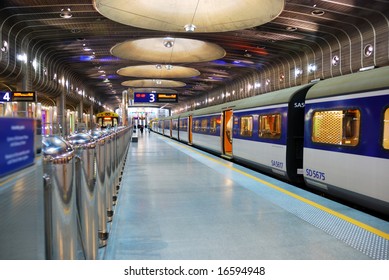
(357, 223)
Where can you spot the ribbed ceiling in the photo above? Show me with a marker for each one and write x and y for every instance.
(294, 35)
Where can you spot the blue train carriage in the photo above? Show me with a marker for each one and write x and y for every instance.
(267, 132)
(346, 145)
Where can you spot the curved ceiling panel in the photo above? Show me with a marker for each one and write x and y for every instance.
(71, 39)
(168, 50)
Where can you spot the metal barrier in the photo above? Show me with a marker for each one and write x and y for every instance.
(84, 146)
(61, 228)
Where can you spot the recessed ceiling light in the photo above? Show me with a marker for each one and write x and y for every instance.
(335, 60)
(368, 50)
(317, 12)
(291, 28)
(66, 13)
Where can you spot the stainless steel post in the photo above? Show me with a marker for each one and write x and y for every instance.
(84, 146)
(62, 238)
(98, 135)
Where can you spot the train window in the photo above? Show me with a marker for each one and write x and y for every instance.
(197, 125)
(337, 127)
(204, 125)
(175, 123)
(183, 124)
(385, 140)
(214, 122)
(270, 126)
(246, 126)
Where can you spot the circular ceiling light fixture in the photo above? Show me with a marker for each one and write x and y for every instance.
(291, 28)
(191, 15)
(149, 71)
(335, 60)
(168, 42)
(151, 83)
(190, 27)
(66, 13)
(368, 50)
(317, 12)
(155, 50)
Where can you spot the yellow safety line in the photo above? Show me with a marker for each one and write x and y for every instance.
(305, 200)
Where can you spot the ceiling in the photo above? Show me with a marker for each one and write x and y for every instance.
(61, 41)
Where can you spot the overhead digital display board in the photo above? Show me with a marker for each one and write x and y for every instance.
(17, 96)
(167, 97)
(147, 97)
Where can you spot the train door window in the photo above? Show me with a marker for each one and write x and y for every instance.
(107, 122)
(214, 122)
(270, 126)
(183, 124)
(246, 126)
(337, 127)
(197, 125)
(175, 123)
(204, 125)
(385, 140)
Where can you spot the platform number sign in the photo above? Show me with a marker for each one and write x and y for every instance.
(5, 96)
(17, 96)
(144, 97)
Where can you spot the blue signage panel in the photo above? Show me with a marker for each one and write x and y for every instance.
(17, 144)
(144, 97)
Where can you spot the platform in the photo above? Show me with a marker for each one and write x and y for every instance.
(180, 203)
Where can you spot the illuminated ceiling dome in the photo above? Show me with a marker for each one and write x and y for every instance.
(151, 71)
(168, 50)
(191, 15)
(151, 83)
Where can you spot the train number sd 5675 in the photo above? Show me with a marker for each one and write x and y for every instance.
(315, 174)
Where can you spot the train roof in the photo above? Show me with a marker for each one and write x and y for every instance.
(107, 114)
(282, 96)
(374, 79)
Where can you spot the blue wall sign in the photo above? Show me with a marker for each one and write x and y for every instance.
(17, 144)
(147, 97)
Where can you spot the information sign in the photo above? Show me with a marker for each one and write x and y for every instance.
(167, 97)
(17, 144)
(17, 96)
(147, 97)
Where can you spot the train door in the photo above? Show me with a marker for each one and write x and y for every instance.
(171, 128)
(227, 133)
(190, 130)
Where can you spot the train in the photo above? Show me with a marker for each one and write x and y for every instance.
(330, 136)
(107, 119)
